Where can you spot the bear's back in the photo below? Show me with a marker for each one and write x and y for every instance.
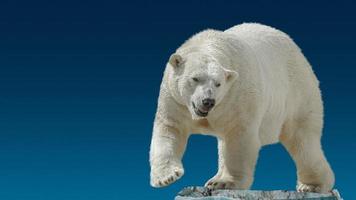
(256, 31)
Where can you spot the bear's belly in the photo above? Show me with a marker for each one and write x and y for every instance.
(271, 126)
(269, 132)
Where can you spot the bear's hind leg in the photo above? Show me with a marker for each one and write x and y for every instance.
(303, 144)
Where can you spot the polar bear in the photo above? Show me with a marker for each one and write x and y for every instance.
(249, 86)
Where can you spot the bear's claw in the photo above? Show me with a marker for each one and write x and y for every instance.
(215, 184)
(301, 187)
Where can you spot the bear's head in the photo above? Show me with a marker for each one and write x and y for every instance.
(199, 82)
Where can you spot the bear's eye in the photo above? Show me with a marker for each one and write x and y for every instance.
(217, 85)
(195, 79)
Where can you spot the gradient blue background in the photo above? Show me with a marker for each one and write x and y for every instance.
(79, 82)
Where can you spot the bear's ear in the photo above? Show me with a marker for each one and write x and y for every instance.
(175, 60)
(230, 75)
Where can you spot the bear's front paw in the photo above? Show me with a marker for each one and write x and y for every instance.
(301, 187)
(165, 175)
(220, 183)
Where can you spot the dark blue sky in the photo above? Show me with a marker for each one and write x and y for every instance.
(79, 82)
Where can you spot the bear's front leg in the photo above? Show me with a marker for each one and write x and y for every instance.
(167, 148)
(238, 152)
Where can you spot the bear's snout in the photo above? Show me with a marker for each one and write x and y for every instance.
(208, 103)
(204, 107)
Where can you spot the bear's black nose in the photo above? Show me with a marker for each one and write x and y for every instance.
(208, 103)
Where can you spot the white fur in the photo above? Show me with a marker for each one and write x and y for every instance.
(268, 94)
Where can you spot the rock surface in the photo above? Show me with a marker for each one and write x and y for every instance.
(201, 193)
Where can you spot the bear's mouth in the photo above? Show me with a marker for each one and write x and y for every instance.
(199, 112)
